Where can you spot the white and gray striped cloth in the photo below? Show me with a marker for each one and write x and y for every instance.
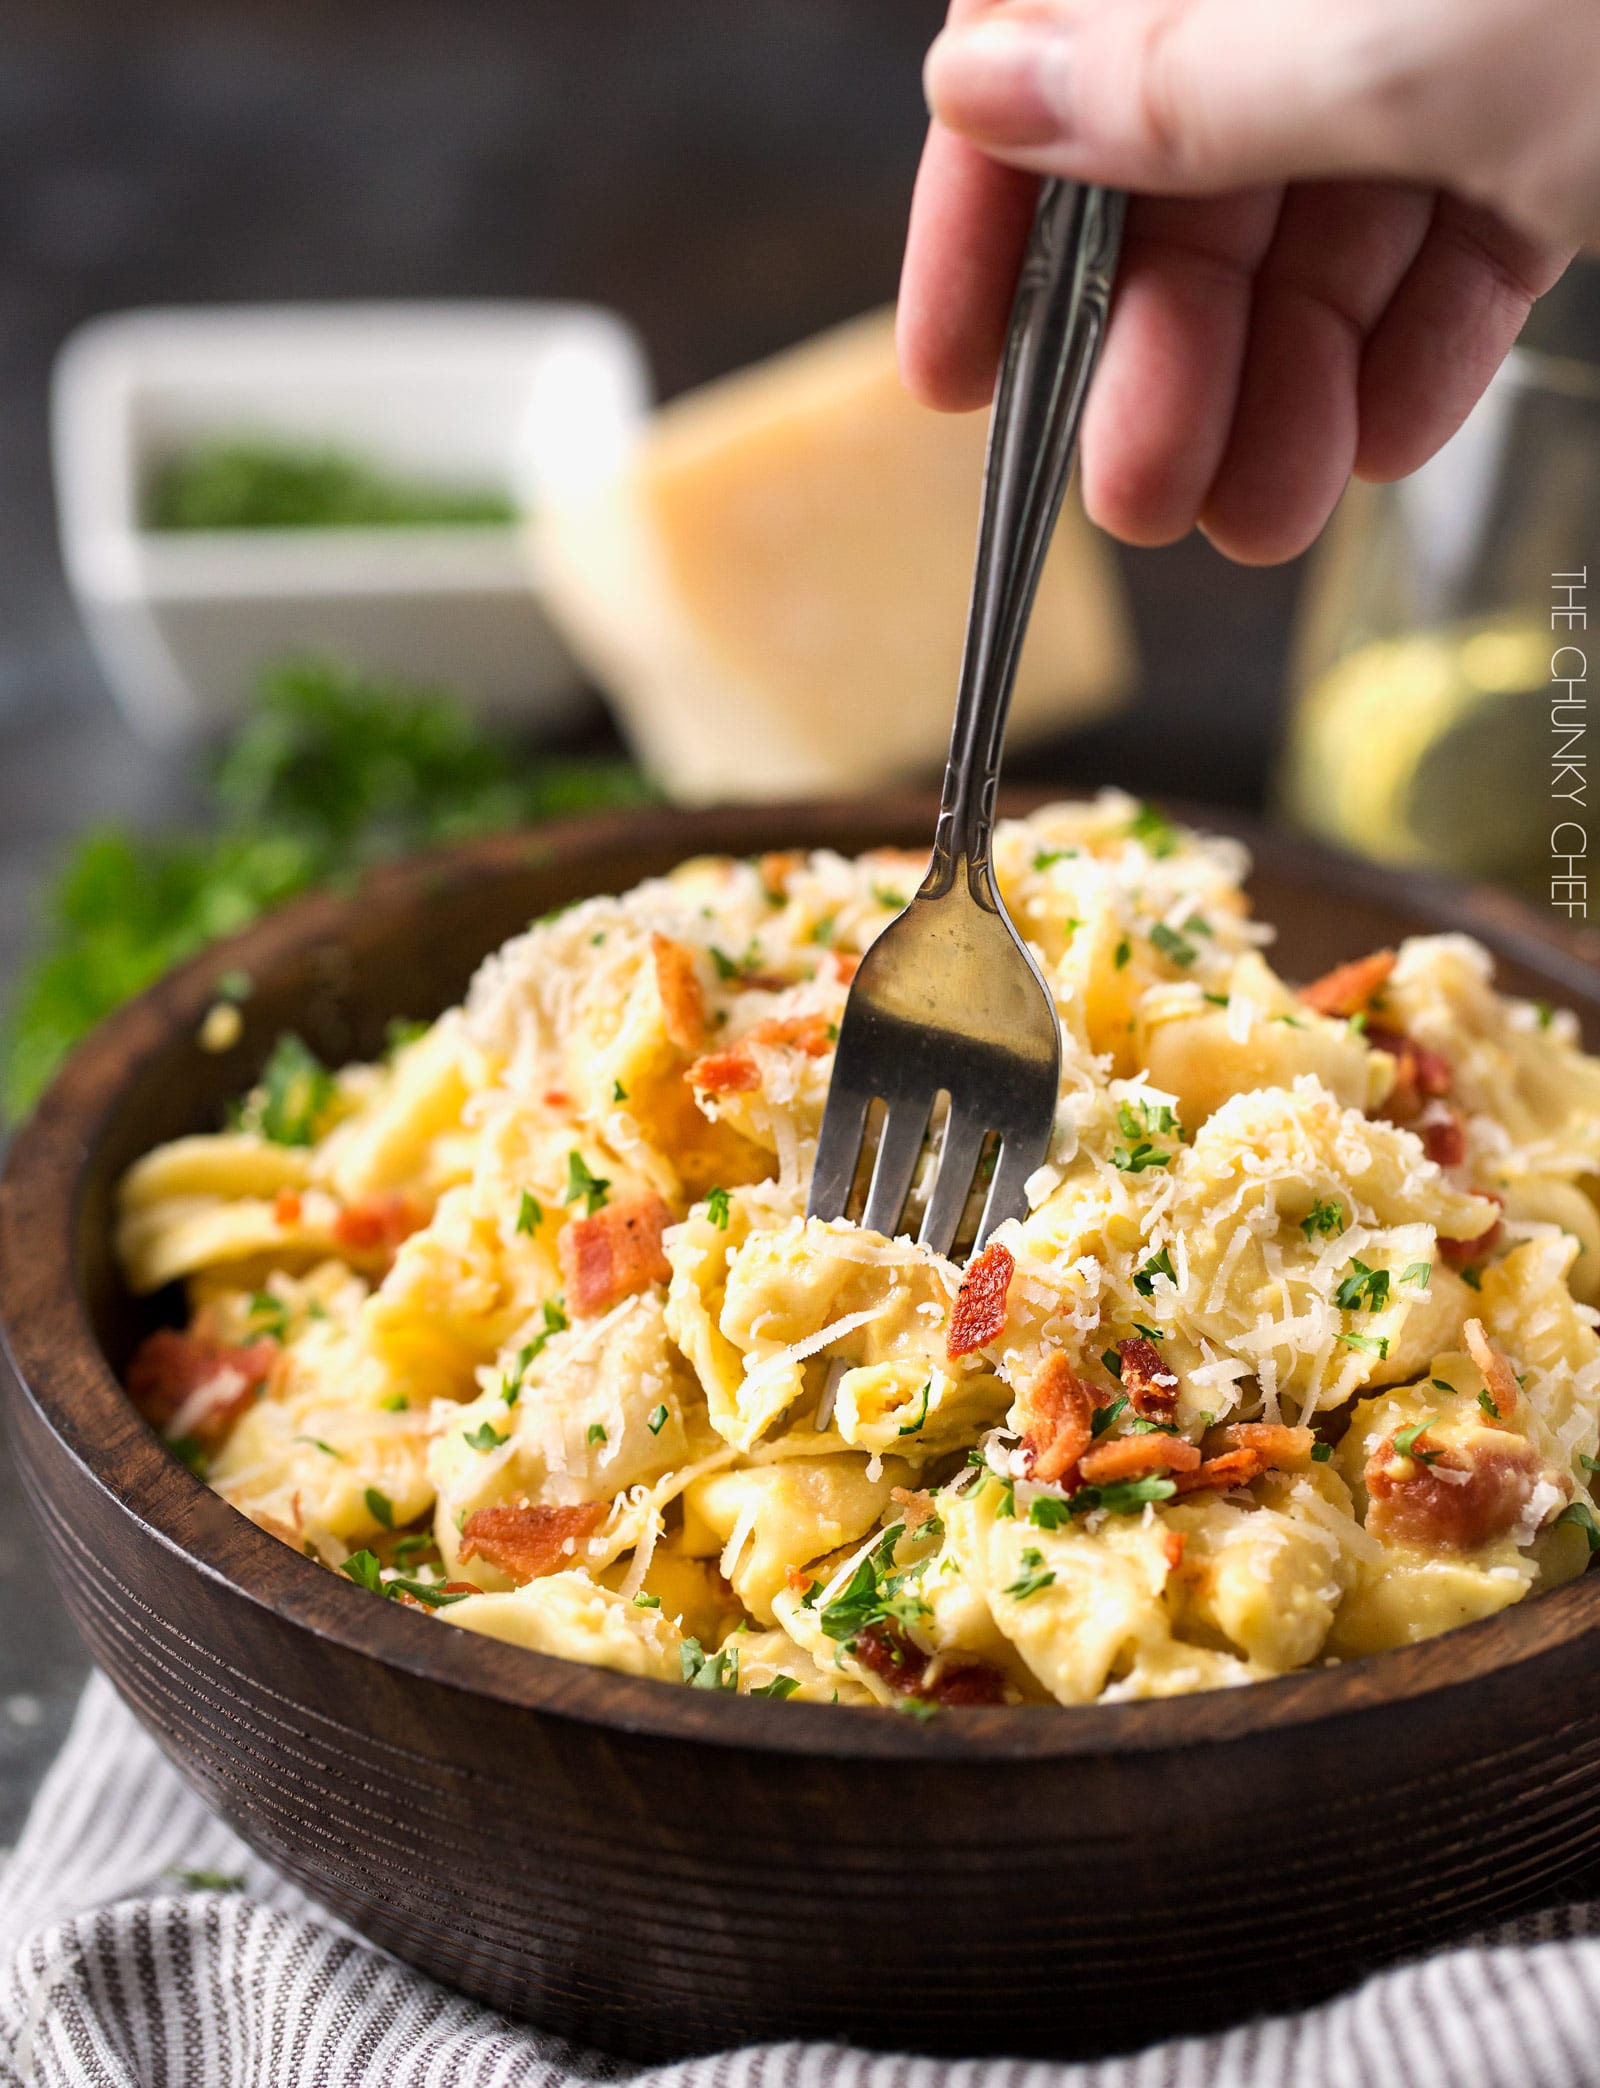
(119, 1968)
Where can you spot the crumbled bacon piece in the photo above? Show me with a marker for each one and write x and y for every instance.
(203, 1386)
(973, 1682)
(287, 1208)
(1443, 1135)
(1220, 1474)
(526, 1542)
(1274, 1440)
(1137, 1457)
(1456, 1499)
(776, 868)
(557, 1098)
(1057, 1415)
(1350, 988)
(1498, 1374)
(1421, 1074)
(683, 1000)
(915, 1508)
(1152, 1388)
(980, 1307)
(845, 965)
(797, 1580)
(1174, 1543)
(734, 1071)
(378, 1223)
(887, 1651)
(613, 1254)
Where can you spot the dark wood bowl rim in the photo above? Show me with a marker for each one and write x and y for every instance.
(54, 1354)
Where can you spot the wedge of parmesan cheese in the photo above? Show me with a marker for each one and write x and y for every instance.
(773, 588)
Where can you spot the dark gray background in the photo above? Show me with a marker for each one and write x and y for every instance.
(730, 173)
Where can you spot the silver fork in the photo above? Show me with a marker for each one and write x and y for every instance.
(948, 1000)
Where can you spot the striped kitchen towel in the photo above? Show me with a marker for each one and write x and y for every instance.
(142, 1945)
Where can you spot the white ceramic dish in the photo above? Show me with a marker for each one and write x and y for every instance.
(511, 396)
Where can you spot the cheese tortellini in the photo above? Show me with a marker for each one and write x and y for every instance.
(1292, 1359)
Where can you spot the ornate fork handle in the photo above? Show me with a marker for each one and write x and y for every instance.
(1058, 322)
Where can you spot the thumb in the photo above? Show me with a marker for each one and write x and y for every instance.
(1175, 96)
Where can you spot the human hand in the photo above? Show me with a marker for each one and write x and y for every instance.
(1344, 210)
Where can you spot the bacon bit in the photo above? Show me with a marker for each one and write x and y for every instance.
(1151, 1387)
(845, 965)
(730, 1072)
(915, 1508)
(1460, 1501)
(1174, 1543)
(1349, 988)
(683, 1000)
(776, 868)
(887, 1651)
(1498, 1374)
(1277, 1443)
(528, 1542)
(1136, 1457)
(734, 1071)
(614, 1254)
(378, 1223)
(1421, 1075)
(973, 1682)
(287, 1208)
(169, 1369)
(797, 1580)
(464, 1587)
(557, 1098)
(1221, 1474)
(980, 1307)
(1057, 1412)
(1443, 1135)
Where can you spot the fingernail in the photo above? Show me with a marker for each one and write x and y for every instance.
(1002, 82)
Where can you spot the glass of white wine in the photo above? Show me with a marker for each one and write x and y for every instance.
(1419, 722)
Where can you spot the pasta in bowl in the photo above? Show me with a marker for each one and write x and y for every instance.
(1293, 1359)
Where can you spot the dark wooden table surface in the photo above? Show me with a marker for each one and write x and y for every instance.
(731, 173)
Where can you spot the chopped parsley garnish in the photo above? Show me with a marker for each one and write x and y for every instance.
(1473, 1278)
(1035, 1576)
(779, 1687)
(1442, 1385)
(597, 1433)
(1155, 830)
(189, 1450)
(395, 1403)
(894, 901)
(874, 1594)
(1217, 1000)
(1197, 924)
(362, 1567)
(530, 1212)
(428, 1593)
(1047, 1513)
(703, 1670)
(1144, 1281)
(1357, 1024)
(1113, 1362)
(380, 1507)
(656, 1419)
(1590, 1464)
(1486, 1401)
(726, 967)
(832, 1033)
(1043, 858)
(1370, 1344)
(1324, 1220)
(1141, 1123)
(1125, 1497)
(1407, 1442)
(1546, 1015)
(484, 1437)
(643, 1601)
(1105, 1417)
(583, 1187)
(1419, 1272)
(618, 1092)
(408, 1548)
(1579, 1512)
(1123, 952)
(290, 1102)
(1140, 1426)
(914, 1427)
(1288, 1021)
(401, 1032)
(1149, 1333)
(1363, 1287)
(1321, 1452)
(269, 1316)
(717, 1208)
(1176, 948)
(823, 932)
(317, 1443)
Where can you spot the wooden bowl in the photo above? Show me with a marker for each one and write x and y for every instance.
(660, 1871)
